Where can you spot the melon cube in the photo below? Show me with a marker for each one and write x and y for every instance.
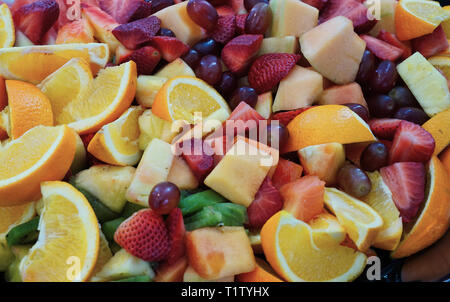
(176, 68)
(300, 88)
(147, 88)
(334, 49)
(292, 18)
(264, 104)
(190, 275)
(342, 94)
(181, 175)
(288, 44)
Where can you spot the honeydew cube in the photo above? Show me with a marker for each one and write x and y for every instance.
(300, 88)
(292, 18)
(334, 49)
(147, 88)
(338, 95)
(240, 173)
(153, 168)
(264, 105)
(176, 68)
(176, 18)
(288, 44)
(427, 84)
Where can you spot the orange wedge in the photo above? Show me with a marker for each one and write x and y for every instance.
(415, 18)
(13, 216)
(445, 159)
(7, 34)
(68, 242)
(28, 107)
(297, 253)
(439, 128)
(34, 63)
(181, 97)
(326, 124)
(434, 218)
(262, 273)
(42, 153)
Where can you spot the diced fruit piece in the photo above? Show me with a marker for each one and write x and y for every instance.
(286, 172)
(12, 273)
(303, 198)
(125, 11)
(238, 53)
(181, 175)
(224, 10)
(226, 178)
(36, 18)
(339, 95)
(176, 19)
(7, 35)
(411, 143)
(262, 273)
(147, 88)
(286, 116)
(300, 88)
(176, 229)
(102, 24)
(384, 128)
(171, 272)
(151, 127)
(78, 31)
(431, 44)
(386, 17)
(198, 156)
(323, 161)
(134, 34)
(22, 40)
(292, 18)
(268, 201)
(240, 23)
(146, 59)
(219, 252)
(108, 183)
(152, 169)
(171, 48)
(381, 49)
(176, 68)
(406, 181)
(392, 39)
(225, 29)
(190, 275)
(123, 265)
(327, 224)
(439, 127)
(287, 44)
(264, 105)
(427, 84)
(330, 42)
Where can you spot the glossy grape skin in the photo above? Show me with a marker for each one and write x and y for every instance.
(366, 68)
(207, 46)
(277, 135)
(248, 4)
(192, 58)
(359, 110)
(209, 69)
(158, 5)
(243, 94)
(166, 32)
(384, 77)
(164, 197)
(258, 19)
(381, 106)
(374, 157)
(202, 13)
(227, 84)
(216, 3)
(353, 181)
(403, 97)
(412, 114)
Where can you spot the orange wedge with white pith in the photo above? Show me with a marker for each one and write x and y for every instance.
(7, 33)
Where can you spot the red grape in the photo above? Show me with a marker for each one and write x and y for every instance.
(384, 77)
(412, 114)
(207, 46)
(227, 84)
(192, 58)
(244, 94)
(202, 13)
(164, 197)
(209, 69)
(374, 157)
(359, 110)
(403, 97)
(248, 4)
(353, 181)
(366, 68)
(277, 135)
(381, 106)
(259, 19)
(166, 32)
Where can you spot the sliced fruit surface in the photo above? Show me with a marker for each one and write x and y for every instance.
(15, 215)
(262, 273)
(68, 243)
(7, 33)
(439, 127)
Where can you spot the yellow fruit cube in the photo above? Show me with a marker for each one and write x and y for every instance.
(176, 68)
(288, 44)
(292, 18)
(147, 88)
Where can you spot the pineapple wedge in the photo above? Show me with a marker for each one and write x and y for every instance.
(146, 89)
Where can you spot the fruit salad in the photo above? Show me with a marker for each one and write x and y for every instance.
(221, 140)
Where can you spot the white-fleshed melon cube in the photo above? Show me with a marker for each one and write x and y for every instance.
(147, 88)
(176, 68)
(292, 18)
(264, 104)
(288, 44)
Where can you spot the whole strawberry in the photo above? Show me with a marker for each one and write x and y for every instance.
(269, 69)
(144, 235)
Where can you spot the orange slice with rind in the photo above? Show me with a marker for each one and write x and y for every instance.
(7, 32)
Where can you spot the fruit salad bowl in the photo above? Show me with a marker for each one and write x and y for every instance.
(224, 140)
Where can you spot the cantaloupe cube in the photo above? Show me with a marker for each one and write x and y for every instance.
(181, 175)
(171, 272)
(153, 168)
(219, 252)
(292, 18)
(240, 173)
(342, 94)
(273, 153)
(176, 18)
(288, 44)
(334, 49)
(176, 68)
(300, 88)
(146, 89)
(190, 275)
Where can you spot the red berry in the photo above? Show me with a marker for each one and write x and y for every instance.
(285, 117)
(124, 11)
(286, 172)
(239, 52)
(225, 29)
(134, 34)
(170, 48)
(175, 226)
(384, 128)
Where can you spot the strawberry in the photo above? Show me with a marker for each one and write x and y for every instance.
(267, 202)
(269, 69)
(431, 44)
(381, 49)
(176, 229)
(144, 235)
(351, 9)
(286, 116)
(240, 23)
(224, 10)
(134, 34)
(146, 59)
(240, 51)
(225, 29)
(392, 39)
(406, 181)
(319, 4)
(121, 54)
(286, 172)
(411, 143)
(198, 156)
(124, 11)
(384, 128)
(238, 6)
(170, 48)
(36, 19)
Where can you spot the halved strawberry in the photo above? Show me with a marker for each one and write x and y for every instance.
(384, 128)
(285, 117)
(319, 4)
(224, 10)
(406, 181)
(431, 44)
(175, 226)
(411, 143)
(124, 11)
(381, 49)
(121, 54)
(36, 19)
(269, 69)
(286, 172)
(225, 29)
(199, 157)
(134, 34)
(267, 202)
(146, 59)
(238, 54)
(240, 23)
(144, 235)
(171, 48)
(392, 39)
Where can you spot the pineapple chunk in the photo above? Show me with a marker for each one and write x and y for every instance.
(147, 88)
(288, 44)
(292, 18)
(151, 126)
(176, 68)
